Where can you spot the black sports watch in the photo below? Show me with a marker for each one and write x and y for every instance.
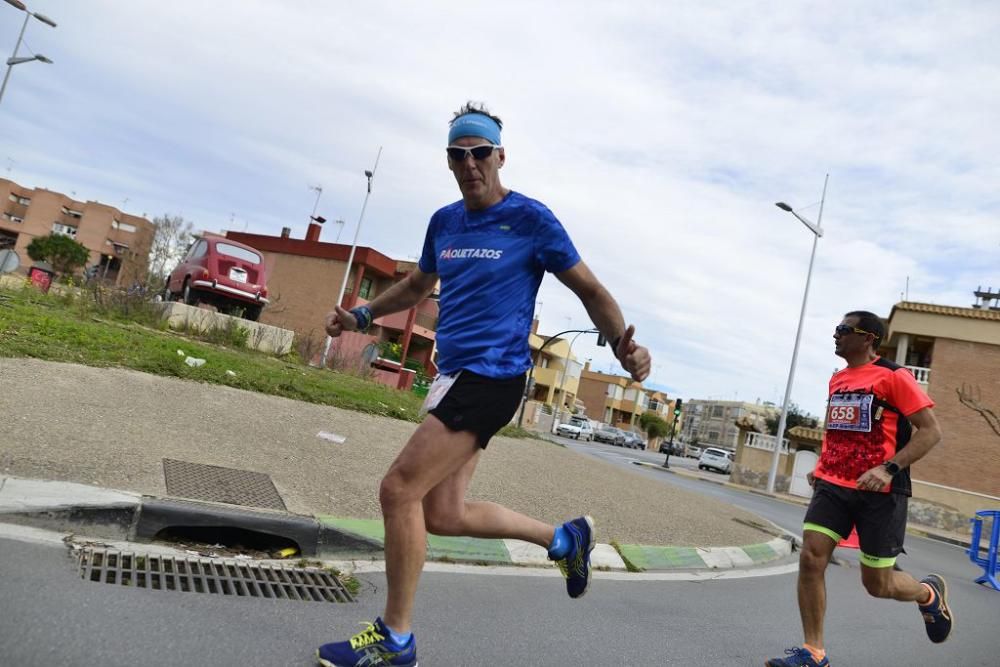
(892, 467)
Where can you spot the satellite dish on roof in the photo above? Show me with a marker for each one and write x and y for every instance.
(9, 261)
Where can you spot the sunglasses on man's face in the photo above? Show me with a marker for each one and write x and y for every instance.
(844, 329)
(480, 152)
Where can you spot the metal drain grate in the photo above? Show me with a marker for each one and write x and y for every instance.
(221, 577)
(221, 485)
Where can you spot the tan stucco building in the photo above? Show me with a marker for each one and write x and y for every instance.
(119, 243)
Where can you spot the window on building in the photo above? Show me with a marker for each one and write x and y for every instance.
(366, 288)
(12, 218)
(20, 200)
(713, 436)
(123, 226)
(65, 230)
(717, 410)
(71, 213)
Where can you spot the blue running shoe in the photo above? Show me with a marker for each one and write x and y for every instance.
(576, 565)
(372, 646)
(797, 657)
(938, 618)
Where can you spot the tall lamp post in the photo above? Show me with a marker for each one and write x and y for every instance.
(531, 373)
(817, 233)
(350, 258)
(562, 380)
(14, 60)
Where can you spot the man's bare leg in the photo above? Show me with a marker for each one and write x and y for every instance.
(447, 512)
(885, 582)
(432, 454)
(813, 560)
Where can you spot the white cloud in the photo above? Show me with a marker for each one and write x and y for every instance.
(660, 133)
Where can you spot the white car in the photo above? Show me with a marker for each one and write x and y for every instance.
(716, 459)
(579, 428)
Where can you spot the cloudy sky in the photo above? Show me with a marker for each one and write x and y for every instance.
(660, 133)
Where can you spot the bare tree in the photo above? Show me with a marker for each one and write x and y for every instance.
(172, 235)
(974, 402)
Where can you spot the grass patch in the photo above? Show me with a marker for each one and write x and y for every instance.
(629, 565)
(511, 431)
(116, 331)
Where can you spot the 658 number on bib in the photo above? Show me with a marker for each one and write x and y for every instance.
(850, 412)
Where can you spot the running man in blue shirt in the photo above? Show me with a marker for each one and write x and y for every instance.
(490, 250)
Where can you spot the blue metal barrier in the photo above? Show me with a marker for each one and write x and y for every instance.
(991, 562)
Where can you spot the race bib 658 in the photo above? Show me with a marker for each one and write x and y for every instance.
(850, 412)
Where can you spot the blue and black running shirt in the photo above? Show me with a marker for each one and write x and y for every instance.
(491, 263)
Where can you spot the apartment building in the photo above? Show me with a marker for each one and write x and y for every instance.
(954, 353)
(614, 399)
(555, 380)
(119, 243)
(711, 422)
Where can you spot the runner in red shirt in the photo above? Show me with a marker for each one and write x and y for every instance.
(862, 481)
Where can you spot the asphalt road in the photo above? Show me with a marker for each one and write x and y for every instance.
(52, 617)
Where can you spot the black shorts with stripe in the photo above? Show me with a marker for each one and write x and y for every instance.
(480, 404)
(880, 518)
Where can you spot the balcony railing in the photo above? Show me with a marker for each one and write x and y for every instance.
(922, 374)
(765, 442)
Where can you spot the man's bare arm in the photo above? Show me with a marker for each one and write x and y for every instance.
(405, 294)
(607, 317)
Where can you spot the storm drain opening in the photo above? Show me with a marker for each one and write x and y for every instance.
(229, 541)
(217, 576)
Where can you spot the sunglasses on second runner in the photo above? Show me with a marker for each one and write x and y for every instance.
(844, 329)
(480, 152)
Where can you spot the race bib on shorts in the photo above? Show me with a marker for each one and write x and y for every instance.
(439, 388)
(850, 412)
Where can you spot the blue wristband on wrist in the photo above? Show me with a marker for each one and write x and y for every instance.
(363, 315)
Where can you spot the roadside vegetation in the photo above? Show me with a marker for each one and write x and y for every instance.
(96, 326)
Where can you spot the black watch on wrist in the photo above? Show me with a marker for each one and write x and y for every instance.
(892, 467)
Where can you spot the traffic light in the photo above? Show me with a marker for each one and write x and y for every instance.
(677, 407)
(601, 340)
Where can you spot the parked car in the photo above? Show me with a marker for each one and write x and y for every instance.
(693, 451)
(610, 435)
(223, 273)
(716, 459)
(634, 441)
(677, 449)
(577, 427)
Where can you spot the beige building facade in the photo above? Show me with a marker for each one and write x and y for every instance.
(119, 243)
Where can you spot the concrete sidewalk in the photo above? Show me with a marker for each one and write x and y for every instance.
(112, 428)
(120, 515)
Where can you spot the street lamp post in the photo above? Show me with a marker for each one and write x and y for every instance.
(350, 258)
(14, 60)
(531, 373)
(562, 380)
(817, 231)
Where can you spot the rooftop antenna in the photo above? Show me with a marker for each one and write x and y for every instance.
(319, 193)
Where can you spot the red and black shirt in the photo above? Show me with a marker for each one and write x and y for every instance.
(866, 422)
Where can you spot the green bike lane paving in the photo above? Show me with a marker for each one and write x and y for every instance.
(636, 558)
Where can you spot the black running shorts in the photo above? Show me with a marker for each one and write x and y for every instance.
(480, 404)
(880, 519)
